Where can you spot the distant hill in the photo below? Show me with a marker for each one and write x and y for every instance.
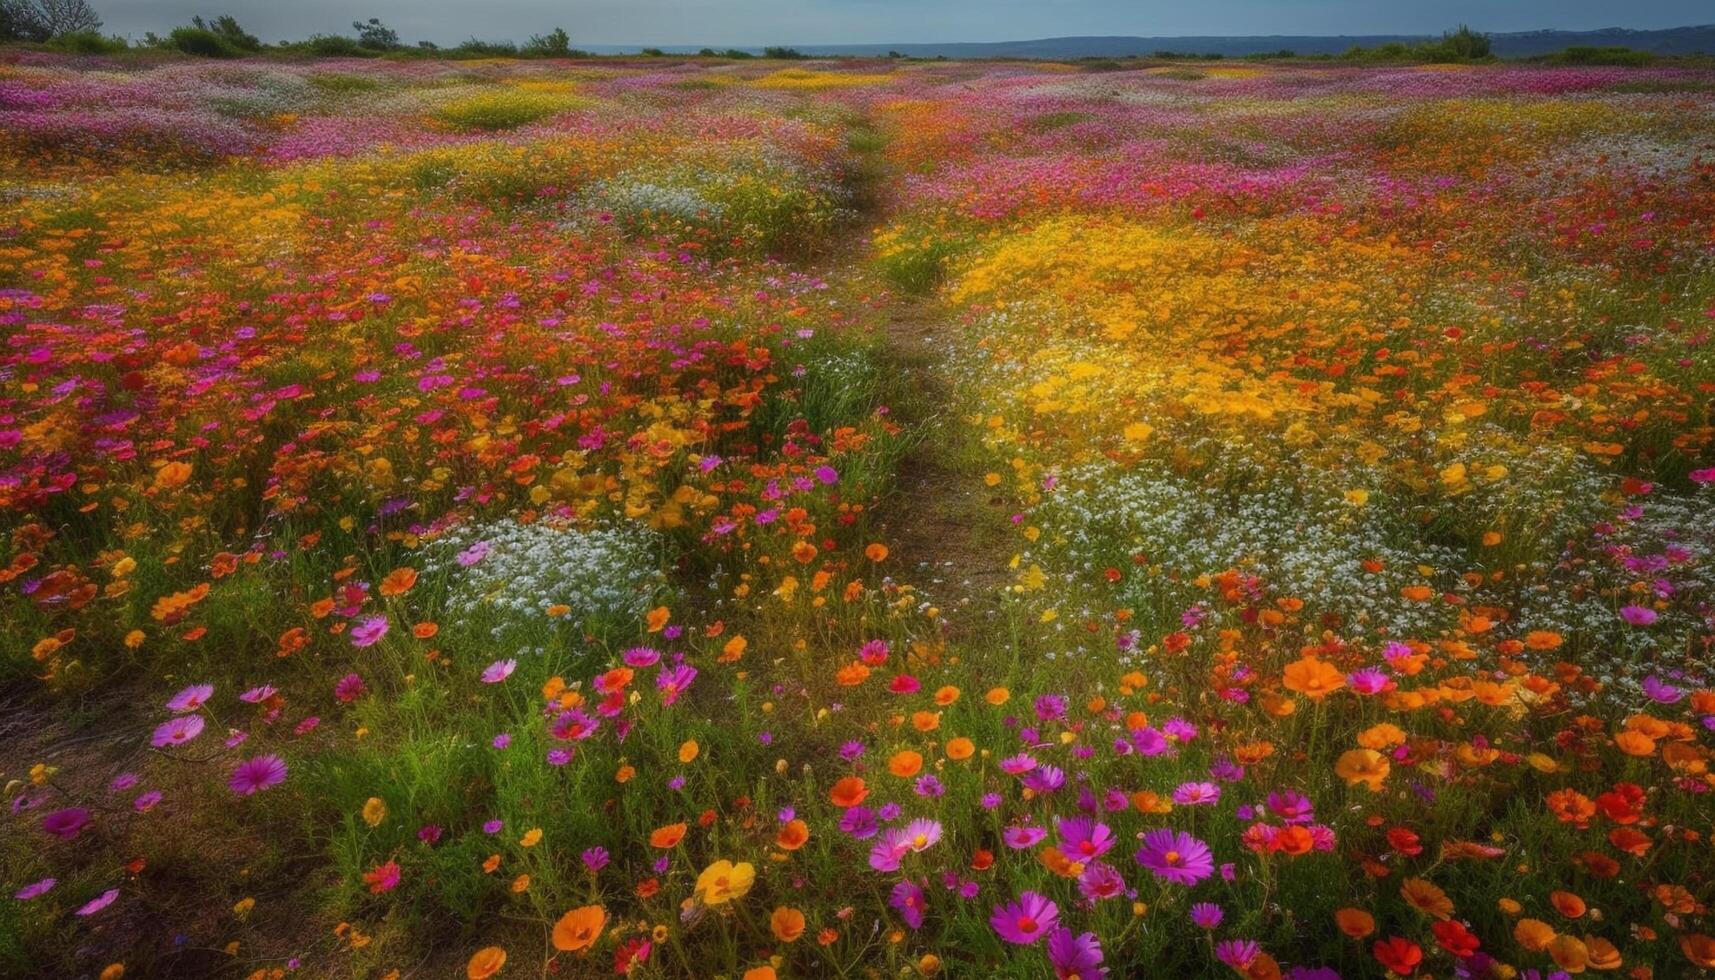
(1523, 44)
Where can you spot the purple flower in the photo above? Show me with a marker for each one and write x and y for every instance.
(673, 681)
(921, 834)
(1084, 839)
(1100, 881)
(66, 824)
(1075, 957)
(147, 801)
(929, 786)
(1176, 856)
(255, 775)
(907, 899)
(859, 822)
(887, 852)
(1661, 691)
(369, 631)
(851, 750)
(641, 657)
(1638, 615)
(1025, 921)
(595, 859)
(257, 695)
(1023, 837)
(35, 889)
(1050, 707)
(473, 554)
(122, 782)
(177, 731)
(1207, 915)
(1237, 953)
(348, 689)
(502, 740)
(499, 671)
(99, 902)
(1197, 794)
(191, 698)
(493, 826)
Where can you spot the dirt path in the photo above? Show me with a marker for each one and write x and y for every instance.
(947, 529)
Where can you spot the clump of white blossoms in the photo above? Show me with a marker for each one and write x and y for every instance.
(523, 581)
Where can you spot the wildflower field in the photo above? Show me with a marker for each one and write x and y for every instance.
(690, 518)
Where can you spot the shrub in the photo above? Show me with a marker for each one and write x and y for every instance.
(474, 48)
(554, 44)
(334, 46)
(200, 42)
(89, 42)
(788, 54)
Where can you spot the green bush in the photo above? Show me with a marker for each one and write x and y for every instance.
(89, 42)
(334, 46)
(200, 42)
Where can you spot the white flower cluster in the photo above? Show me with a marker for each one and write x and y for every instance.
(506, 576)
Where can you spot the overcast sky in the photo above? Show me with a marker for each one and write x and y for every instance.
(752, 22)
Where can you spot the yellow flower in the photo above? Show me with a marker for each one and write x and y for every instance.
(531, 837)
(724, 881)
(374, 811)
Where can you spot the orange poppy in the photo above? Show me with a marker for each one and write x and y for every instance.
(905, 763)
(960, 749)
(787, 924)
(668, 836)
(485, 963)
(579, 928)
(848, 792)
(793, 835)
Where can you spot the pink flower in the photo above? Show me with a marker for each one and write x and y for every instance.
(177, 730)
(1075, 957)
(99, 902)
(369, 631)
(1176, 856)
(499, 671)
(1025, 921)
(1638, 615)
(907, 899)
(35, 889)
(383, 878)
(257, 695)
(66, 824)
(255, 775)
(348, 689)
(191, 698)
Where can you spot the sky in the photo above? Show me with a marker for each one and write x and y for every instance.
(755, 22)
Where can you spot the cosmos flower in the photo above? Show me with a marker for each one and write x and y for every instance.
(191, 698)
(908, 900)
(1075, 957)
(1026, 920)
(257, 774)
(178, 730)
(67, 823)
(1176, 856)
(98, 903)
(369, 631)
(498, 671)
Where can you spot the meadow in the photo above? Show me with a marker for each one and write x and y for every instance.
(694, 518)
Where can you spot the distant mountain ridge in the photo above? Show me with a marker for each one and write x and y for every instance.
(1521, 44)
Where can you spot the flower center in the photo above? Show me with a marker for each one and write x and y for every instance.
(1026, 924)
(1171, 857)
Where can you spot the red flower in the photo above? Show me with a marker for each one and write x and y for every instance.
(1455, 938)
(383, 878)
(1398, 954)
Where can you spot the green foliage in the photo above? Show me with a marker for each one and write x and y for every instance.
(787, 54)
(502, 110)
(90, 42)
(200, 42)
(554, 44)
(1455, 47)
(375, 35)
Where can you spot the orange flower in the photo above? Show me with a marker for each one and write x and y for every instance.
(579, 928)
(668, 836)
(1569, 953)
(1635, 743)
(1698, 948)
(485, 963)
(905, 763)
(1426, 897)
(1571, 806)
(657, 618)
(946, 695)
(793, 835)
(1567, 904)
(764, 972)
(1355, 923)
(1365, 766)
(787, 924)
(398, 582)
(960, 749)
(848, 792)
(876, 552)
(1313, 678)
(1533, 934)
(997, 696)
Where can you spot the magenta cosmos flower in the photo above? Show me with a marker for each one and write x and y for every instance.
(907, 899)
(35, 889)
(1638, 615)
(369, 631)
(1026, 920)
(1084, 839)
(66, 824)
(191, 698)
(255, 775)
(1176, 856)
(499, 671)
(1075, 957)
(177, 731)
(99, 902)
